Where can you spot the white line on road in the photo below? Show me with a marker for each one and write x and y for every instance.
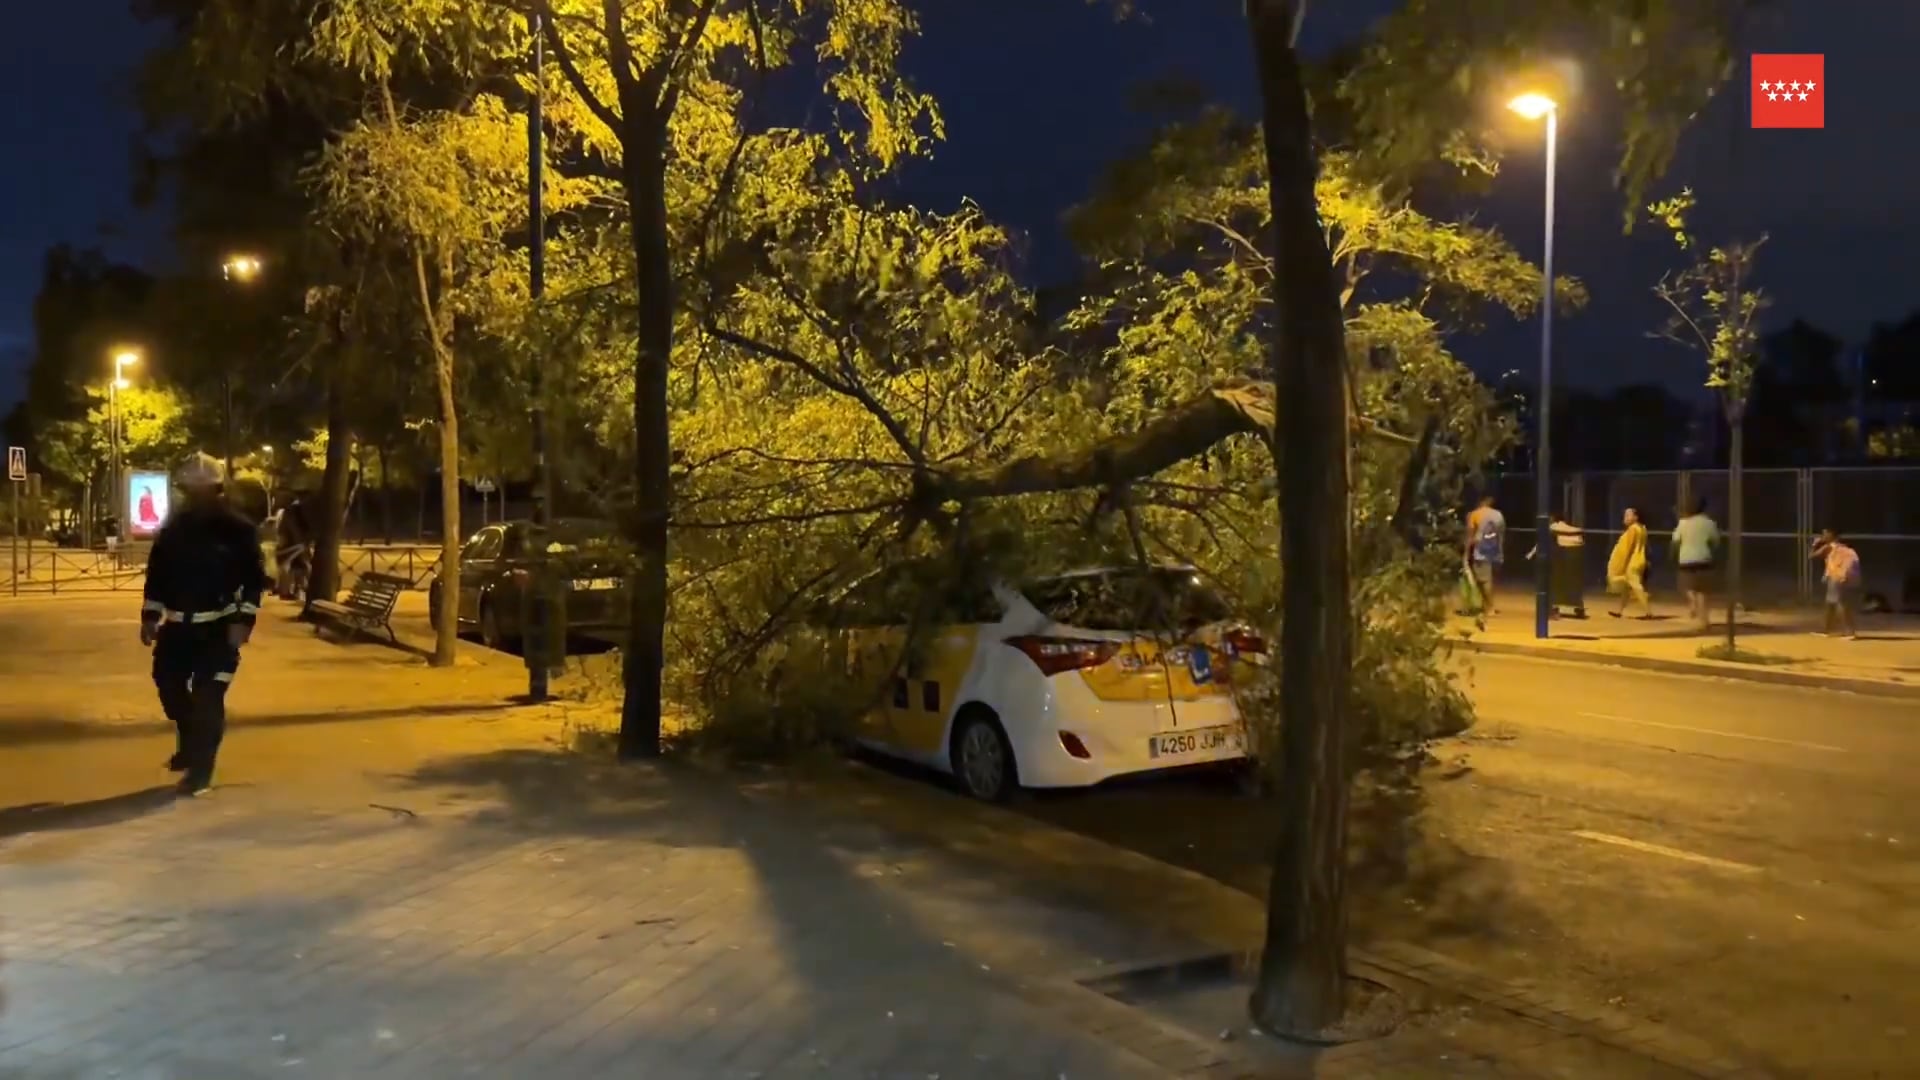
(1671, 853)
(1723, 734)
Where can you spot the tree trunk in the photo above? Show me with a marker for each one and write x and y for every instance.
(644, 143)
(1736, 468)
(323, 581)
(386, 494)
(1301, 989)
(447, 635)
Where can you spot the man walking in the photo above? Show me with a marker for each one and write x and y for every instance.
(1841, 572)
(1696, 546)
(1485, 548)
(204, 578)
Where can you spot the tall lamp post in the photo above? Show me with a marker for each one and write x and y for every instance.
(122, 360)
(241, 270)
(539, 609)
(1536, 107)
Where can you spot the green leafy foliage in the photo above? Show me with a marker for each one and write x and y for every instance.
(1713, 306)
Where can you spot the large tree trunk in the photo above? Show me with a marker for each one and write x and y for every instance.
(645, 148)
(447, 635)
(330, 519)
(1301, 988)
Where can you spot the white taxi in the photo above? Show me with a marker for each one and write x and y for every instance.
(1058, 683)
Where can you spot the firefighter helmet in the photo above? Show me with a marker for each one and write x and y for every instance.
(201, 471)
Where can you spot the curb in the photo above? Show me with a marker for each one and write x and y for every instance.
(1708, 668)
(1220, 918)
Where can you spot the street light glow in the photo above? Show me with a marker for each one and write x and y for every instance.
(125, 358)
(1532, 106)
(122, 383)
(241, 268)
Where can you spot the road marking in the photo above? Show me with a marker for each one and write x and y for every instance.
(1723, 734)
(1671, 853)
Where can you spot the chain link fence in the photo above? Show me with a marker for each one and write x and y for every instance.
(1876, 510)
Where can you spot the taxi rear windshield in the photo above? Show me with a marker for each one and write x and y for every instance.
(1130, 600)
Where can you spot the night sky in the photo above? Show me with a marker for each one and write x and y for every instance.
(1035, 97)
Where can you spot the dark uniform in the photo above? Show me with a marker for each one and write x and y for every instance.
(204, 577)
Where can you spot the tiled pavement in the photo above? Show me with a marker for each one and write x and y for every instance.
(210, 940)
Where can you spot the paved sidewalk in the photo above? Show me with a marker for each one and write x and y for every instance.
(1885, 659)
(414, 894)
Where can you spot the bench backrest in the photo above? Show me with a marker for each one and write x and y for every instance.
(379, 591)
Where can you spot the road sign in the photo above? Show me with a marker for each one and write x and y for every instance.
(483, 485)
(17, 463)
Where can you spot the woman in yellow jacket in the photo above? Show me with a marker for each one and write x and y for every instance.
(1627, 566)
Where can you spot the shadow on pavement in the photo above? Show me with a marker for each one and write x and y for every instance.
(25, 732)
(94, 813)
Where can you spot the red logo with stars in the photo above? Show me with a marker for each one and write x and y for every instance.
(1789, 90)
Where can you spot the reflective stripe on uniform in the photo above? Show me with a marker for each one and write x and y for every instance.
(153, 607)
(223, 676)
(197, 617)
(248, 609)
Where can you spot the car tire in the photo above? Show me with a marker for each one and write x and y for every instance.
(490, 635)
(433, 605)
(982, 758)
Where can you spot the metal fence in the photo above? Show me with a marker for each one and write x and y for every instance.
(49, 570)
(1877, 510)
(43, 569)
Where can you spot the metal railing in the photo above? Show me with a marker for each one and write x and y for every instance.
(53, 570)
(415, 563)
(47, 570)
(1876, 509)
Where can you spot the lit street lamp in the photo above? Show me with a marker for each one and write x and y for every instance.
(122, 360)
(1535, 107)
(242, 270)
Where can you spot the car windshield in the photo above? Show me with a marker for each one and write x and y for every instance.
(1130, 599)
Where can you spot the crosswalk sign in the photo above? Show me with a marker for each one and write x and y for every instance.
(17, 463)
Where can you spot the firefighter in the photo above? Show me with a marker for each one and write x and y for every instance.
(204, 577)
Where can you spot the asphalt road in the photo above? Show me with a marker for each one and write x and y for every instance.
(1739, 861)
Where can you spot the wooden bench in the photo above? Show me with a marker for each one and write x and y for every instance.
(368, 606)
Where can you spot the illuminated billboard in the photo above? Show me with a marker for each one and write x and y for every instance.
(148, 497)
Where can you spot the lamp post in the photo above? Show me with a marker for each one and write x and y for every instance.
(241, 270)
(1536, 107)
(539, 610)
(122, 360)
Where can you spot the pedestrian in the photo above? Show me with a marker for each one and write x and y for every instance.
(1568, 571)
(1484, 549)
(204, 577)
(1841, 572)
(1627, 566)
(1696, 547)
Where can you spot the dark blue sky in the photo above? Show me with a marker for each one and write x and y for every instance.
(1035, 96)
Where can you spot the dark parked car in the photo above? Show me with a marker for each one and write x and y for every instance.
(497, 566)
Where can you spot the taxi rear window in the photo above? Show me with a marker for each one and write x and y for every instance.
(1130, 600)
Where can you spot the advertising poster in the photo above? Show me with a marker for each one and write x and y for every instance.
(147, 500)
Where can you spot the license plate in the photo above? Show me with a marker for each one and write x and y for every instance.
(599, 584)
(1170, 744)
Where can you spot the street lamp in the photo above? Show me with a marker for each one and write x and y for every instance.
(241, 269)
(1534, 107)
(122, 360)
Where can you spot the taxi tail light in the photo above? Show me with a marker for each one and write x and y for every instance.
(1055, 655)
(1073, 746)
(1246, 642)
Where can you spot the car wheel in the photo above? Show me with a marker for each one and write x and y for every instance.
(433, 605)
(983, 759)
(490, 635)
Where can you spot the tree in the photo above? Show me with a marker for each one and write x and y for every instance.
(1714, 309)
(632, 65)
